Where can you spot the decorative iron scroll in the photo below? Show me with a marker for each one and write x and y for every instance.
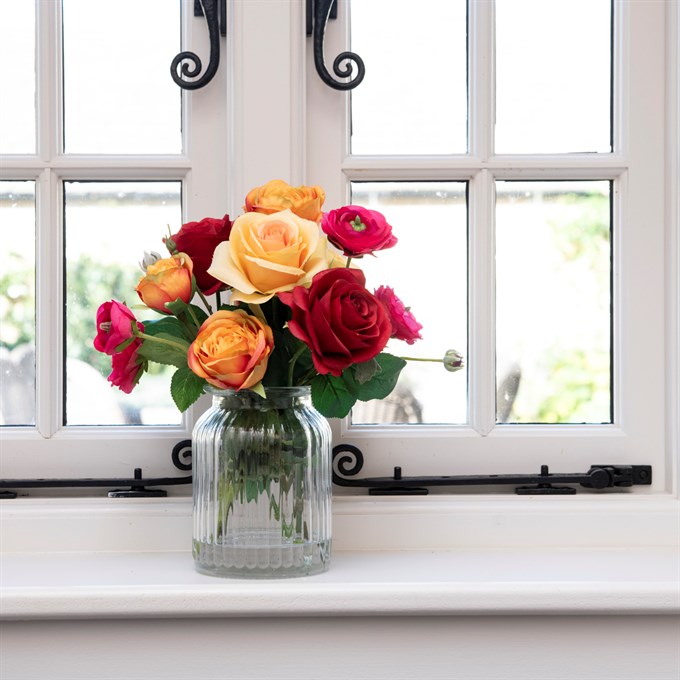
(318, 14)
(215, 12)
(348, 462)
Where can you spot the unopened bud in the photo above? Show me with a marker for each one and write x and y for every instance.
(453, 361)
(149, 259)
(169, 243)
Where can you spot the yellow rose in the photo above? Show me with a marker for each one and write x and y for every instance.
(277, 195)
(166, 280)
(267, 254)
(231, 350)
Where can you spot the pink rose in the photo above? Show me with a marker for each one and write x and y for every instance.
(338, 319)
(114, 326)
(357, 231)
(404, 325)
(127, 367)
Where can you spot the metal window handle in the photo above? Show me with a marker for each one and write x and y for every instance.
(215, 12)
(318, 14)
(189, 65)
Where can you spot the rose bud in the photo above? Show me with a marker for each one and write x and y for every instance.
(199, 240)
(338, 319)
(231, 350)
(357, 231)
(114, 326)
(453, 361)
(166, 280)
(277, 195)
(127, 367)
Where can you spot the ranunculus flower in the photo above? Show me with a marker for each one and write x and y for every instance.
(199, 240)
(127, 367)
(358, 231)
(231, 350)
(267, 254)
(404, 324)
(166, 280)
(338, 319)
(114, 326)
(277, 195)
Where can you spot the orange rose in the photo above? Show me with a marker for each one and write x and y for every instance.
(166, 280)
(277, 195)
(231, 350)
(267, 254)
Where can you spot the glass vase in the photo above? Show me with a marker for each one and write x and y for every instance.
(262, 485)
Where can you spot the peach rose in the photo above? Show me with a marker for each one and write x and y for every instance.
(167, 280)
(231, 350)
(277, 195)
(267, 254)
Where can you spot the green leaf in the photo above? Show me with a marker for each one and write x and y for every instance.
(177, 307)
(333, 397)
(364, 371)
(168, 325)
(172, 352)
(383, 381)
(185, 387)
(200, 313)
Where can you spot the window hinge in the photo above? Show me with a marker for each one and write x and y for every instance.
(348, 461)
(137, 485)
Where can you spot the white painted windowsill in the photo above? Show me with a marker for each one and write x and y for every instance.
(120, 561)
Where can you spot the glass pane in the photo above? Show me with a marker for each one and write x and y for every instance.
(17, 303)
(553, 302)
(118, 93)
(108, 227)
(428, 271)
(553, 76)
(413, 99)
(17, 54)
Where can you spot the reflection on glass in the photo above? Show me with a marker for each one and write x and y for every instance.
(17, 303)
(553, 302)
(553, 76)
(17, 54)
(108, 226)
(413, 99)
(118, 94)
(428, 271)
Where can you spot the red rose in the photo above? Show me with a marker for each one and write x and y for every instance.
(338, 319)
(127, 367)
(357, 231)
(199, 240)
(114, 326)
(404, 324)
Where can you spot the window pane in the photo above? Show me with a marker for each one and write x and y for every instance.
(553, 302)
(118, 93)
(108, 227)
(428, 271)
(553, 76)
(17, 54)
(413, 99)
(17, 303)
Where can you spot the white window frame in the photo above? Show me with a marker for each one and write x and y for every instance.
(265, 146)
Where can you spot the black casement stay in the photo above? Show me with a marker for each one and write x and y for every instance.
(348, 462)
(134, 487)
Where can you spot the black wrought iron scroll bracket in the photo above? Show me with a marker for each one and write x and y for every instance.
(215, 12)
(137, 486)
(318, 14)
(348, 462)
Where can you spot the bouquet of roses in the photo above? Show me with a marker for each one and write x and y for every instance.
(298, 311)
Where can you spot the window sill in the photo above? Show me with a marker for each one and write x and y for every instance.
(97, 558)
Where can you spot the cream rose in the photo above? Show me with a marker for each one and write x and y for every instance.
(268, 254)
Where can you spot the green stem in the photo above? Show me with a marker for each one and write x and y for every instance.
(193, 316)
(293, 360)
(205, 301)
(163, 341)
(438, 361)
(349, 259)
(218, 299)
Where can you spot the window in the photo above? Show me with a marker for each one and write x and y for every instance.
(102, 154)
(581, 205)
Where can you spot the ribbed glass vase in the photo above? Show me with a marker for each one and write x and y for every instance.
(262, 485)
